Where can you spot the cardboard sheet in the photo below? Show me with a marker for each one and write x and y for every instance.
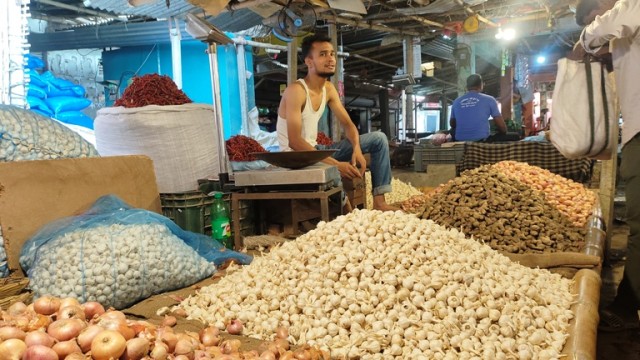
(34, 193)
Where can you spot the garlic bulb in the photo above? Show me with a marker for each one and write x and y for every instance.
(401, 191)
(423, 290)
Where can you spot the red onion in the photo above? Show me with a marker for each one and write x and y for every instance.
(66, 329)
(234, 327)
(65, 348)
(39, 352)
(210, 336)
(92, 309)
(169, 321)
(12, 349)
(46, 305)
(11, 332)
(136, 349)
(87, 335)
(39, 337)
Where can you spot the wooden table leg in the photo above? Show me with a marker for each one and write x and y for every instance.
(294, 217)
(324, 207)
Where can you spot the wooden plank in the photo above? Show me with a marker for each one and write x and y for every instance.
(607, 191)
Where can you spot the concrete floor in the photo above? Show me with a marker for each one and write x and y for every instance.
(611, 346)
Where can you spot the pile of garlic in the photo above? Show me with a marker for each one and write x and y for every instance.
(25, 135)
(378, 285)
(115, 265)
(401, 191)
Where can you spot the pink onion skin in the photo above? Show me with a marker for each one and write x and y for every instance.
(66, 348)
(92, 309)
(39, 337)
(39, 352)
(11, 332)
(235, 327)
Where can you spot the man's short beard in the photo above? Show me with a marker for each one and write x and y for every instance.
(326, 75)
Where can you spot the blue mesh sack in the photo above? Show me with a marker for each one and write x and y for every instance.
(27, 135)
(118, 255)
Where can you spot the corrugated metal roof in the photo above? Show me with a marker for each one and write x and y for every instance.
(440, 48)
(158, 9)
(237, 20)
(133, 34)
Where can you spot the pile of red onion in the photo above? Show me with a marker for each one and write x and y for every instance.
(57, 329)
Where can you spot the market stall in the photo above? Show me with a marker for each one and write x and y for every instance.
(503, 261)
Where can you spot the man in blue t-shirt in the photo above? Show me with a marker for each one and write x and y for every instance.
(470, 113)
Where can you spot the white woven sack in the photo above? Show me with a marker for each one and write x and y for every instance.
(572, 132)
(180, 139)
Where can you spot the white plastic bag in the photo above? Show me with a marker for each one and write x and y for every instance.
(584, 109)
(181, 140)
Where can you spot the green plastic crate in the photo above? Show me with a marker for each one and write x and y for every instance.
(191, 210)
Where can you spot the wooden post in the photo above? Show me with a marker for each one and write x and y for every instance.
(292, 61)
(607, 191)
(385, 125)
(506, 93)
(338, 81)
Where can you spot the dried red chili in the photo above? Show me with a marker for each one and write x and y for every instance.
(152, 89)
(239, 147)
(323, 139)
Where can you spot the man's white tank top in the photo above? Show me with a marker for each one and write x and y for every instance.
(310, 119)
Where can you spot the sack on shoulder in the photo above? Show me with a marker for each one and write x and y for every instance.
(584, 109)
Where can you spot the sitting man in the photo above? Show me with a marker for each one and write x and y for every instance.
(470, 114)
(301, 107)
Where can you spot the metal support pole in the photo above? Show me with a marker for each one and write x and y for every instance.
(242, 85)
(215, 88)
(176, 53)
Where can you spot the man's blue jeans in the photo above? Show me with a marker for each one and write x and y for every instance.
(376, 144)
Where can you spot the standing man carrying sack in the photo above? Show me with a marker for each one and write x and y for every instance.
(301, 107)
(617, 24)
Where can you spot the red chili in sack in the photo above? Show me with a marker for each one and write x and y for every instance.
(152, 89)
(239, 147)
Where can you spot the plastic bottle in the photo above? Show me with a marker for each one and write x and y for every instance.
(220, 225)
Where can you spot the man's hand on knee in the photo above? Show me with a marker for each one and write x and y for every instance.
(348, 171)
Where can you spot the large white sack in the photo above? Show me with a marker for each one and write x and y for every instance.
(181, 140)
(572, 131)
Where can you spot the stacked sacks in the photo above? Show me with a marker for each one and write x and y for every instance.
(55, 97)
(36, 92)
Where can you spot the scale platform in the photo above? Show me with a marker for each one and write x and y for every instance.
(317, 174)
